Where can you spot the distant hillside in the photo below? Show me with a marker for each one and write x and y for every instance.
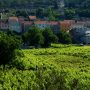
(78, 3)
(29, 3)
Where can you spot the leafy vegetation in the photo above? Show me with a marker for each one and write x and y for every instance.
(39, 37)
(34, 37)
(74, 9)
(69, 3)
(64, 37)
(8, 44)
(49, 37)
(61, 67)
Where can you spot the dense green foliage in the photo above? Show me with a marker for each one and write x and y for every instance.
(48, 8)
(78, 3)
(49, 37)
(64, 37)
(39, 37)
(34, 37)
(62, 67)
(69, 3)
(8, 44)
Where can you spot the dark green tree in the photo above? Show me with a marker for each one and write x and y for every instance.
(64, 37)
(51, 14)
(8, 44)
(70, 13)
(49, 37)
(34, 37)
(40, 12)
(21, 13)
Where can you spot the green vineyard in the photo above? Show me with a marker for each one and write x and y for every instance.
(61, 67)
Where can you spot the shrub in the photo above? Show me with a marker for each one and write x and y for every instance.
(64, 37)
(49, 37)
(8, 44)
(34, 37)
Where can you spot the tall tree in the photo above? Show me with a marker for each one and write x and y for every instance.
(64, 37)
(49, 37)
(8, 44)
(34, 37)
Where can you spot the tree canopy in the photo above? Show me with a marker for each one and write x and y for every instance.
(8, 44)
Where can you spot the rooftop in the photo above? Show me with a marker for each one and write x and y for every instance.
(40, 22)
(53, 23)
(27, 22)
(13, 18)
(32, 17)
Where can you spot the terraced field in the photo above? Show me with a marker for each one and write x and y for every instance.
(61, 67)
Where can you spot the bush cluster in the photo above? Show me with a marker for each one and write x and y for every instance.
(43, 38)
(39, 38)
(8, 44)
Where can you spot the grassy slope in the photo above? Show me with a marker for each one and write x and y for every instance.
(61, 67)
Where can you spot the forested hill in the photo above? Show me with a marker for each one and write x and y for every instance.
(28, 3)
(78, 3)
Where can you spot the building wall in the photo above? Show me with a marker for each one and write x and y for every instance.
(81, 34)
(4, 26)
(15, 26)
(45, 24)
(42, 26)
(66, 25)
(26, 25)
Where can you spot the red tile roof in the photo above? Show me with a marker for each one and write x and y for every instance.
(32, 17)
(27, 22)
(47, 22)
(40, 22)
(13, 18)
(53, 23)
